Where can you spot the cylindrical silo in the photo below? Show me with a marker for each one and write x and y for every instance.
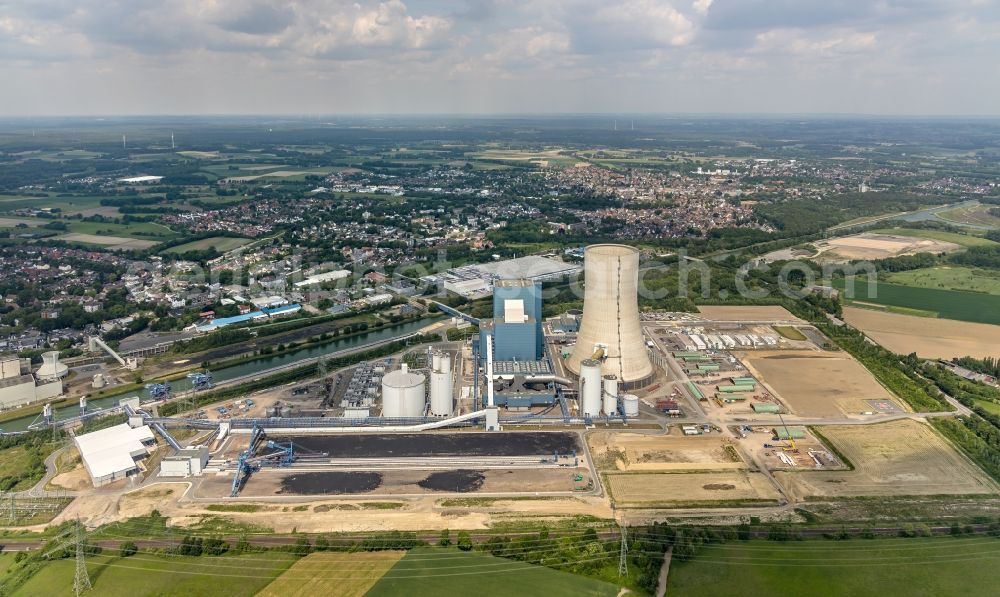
(611, 315)
(590, 388)
(610, 397)
(630, 402)
(402, 393)
(441, 385)
(99, 381)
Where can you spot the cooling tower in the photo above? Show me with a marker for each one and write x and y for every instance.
(51, 367)
(610, 327)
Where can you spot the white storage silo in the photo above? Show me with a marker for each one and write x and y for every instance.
(590, 387)
(611, 315)
(402, 393)
(99, 381)
(441, 385)
(630, 402)
(51, 367)
(610, 397)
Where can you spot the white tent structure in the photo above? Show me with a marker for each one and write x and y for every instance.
(110, 454)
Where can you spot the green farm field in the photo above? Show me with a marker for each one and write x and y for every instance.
(431, 572)
(948, 304)
(68, 205)
(139, 230)
(950, 278)
(220, 243)
(964, 240)
(163, 576)
(927, 567)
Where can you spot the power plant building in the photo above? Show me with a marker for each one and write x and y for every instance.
(19, 387)
(516, 327)
(609, 328)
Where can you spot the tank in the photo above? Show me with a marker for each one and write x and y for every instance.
(630, 402)
(273, 411)
(610, 395)
(51, 367)
(402, 393)
(99, 381)
(590, 387)
(286, 411)
(441, 386)
(436, 361)
(611, 316)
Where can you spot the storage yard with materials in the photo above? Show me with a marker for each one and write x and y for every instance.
(372, 464)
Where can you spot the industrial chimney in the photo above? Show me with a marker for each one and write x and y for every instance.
(610, 329)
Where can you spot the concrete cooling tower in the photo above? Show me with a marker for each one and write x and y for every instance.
(609, 330)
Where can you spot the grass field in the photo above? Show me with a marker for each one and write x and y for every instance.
(353, 574)
(789, 332)
(926, 567)
(14, 463)
(949, 278)
(990, 407)
(898, 458)
(948, 237)
(163, 576)
(433, 572)
(221, 244)
(948, 304)
(977, 215)
(68, 205)
(138, 230)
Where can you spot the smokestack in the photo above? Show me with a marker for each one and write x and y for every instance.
(610, 327)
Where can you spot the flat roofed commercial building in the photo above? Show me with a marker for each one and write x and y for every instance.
(185, 463)
(111, 454)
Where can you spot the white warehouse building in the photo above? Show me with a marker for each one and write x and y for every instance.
(112, 454)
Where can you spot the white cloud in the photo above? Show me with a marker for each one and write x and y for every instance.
(517, 55)
(797, 43)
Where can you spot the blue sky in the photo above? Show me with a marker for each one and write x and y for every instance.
(483, 56)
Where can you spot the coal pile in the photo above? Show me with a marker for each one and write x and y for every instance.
(459, 481)
(395, 445)
(331, 483)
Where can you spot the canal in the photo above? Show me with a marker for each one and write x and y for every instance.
(240, 370)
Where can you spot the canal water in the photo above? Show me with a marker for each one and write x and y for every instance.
(308, 351)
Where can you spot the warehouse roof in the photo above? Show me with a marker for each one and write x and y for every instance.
(789, 432)
(114, 449)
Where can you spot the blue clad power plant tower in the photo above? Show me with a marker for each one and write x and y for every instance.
(517, 322)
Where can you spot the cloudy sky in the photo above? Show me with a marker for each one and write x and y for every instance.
(487, 56)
